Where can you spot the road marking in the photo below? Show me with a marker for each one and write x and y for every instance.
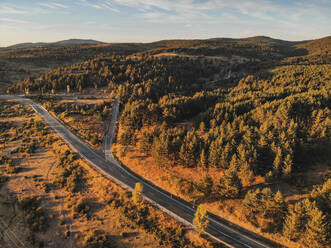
(152, 187)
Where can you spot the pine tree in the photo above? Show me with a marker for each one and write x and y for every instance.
(296, 219)
(277, 209)
(230, 184)
(277, 162)
(160, 150)
(316, 234)
(201, 221)
(189, 150)
(203, 159)
(206, 185)
(202, 126)
(145, 142)
(225, 156)
(322, 195)
(137, 196)
(287, 167)
(214, 155)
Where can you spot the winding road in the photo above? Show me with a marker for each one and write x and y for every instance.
(221, 230)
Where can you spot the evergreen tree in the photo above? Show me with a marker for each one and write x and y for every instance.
(160, 150)
(316, 234)
(202, 126)
(145, 142)
(287, 167)
(201, 221)
(205, 185)
(189, 150)
(225, 156)
(277, 162)
(203, 159)
(267, 205)
(214, 155)
(230, 184)
(127, 137)
(296, 219)
(137, 193)
(322, 195)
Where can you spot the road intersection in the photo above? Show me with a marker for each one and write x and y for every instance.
(219, 229)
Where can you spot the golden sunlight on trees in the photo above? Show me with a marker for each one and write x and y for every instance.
(201, 221)
(137, 194)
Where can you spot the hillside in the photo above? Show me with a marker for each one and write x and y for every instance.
(19, 63)
(241, 126)
(69, 42)
(33, 59)
(49, 197)
(259, 46)
(316, 51)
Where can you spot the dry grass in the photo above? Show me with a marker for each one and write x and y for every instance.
(41, 168)
(167, 179)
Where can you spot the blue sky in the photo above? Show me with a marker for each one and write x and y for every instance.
(150, 20)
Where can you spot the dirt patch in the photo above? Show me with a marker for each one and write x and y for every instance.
(64, 230)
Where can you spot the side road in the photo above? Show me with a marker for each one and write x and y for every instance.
(221, 230)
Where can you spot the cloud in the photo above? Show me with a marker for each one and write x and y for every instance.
(10, 21)
(199, 10)
(101, 5)
(54, 5)
(10, 10)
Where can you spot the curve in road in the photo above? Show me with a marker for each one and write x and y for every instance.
(225, 232)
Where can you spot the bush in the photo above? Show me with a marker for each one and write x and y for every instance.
(97, 239)
(70, 176)
(3, 179)
(34, 214)
(81, 208)
(11, 168)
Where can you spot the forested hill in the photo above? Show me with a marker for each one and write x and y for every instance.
(70, 42)
(264, 125)
(34, 59)
(259, 46)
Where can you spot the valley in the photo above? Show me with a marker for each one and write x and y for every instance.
(240, 127)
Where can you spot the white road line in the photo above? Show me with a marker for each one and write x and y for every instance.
(147, 183)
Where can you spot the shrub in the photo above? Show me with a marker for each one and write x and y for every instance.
(97, 239)
(34, 214)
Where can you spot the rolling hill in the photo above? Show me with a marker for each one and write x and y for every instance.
(69, 42)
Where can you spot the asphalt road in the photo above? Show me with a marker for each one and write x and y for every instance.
(220, 229)
(108, 139)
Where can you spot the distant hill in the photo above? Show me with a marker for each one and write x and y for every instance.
(318, 46)
(261, 47)
(70, 42)
(256, 40)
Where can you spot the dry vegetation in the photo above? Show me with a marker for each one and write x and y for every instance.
(52, 198)
(87, 118)
(184, 182)
(256, 153)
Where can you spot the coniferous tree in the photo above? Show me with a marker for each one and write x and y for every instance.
(189, 150)
(296, 219)
(277, 162)
(202, 126)
(145, 142)
(214, 155)
(137, 193)
(160, 150)
(316, 234)
(201, 221)
(203, 160)
(287, 167)
(205, 185)
(230, 184)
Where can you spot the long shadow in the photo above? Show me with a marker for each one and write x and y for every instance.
(213, 216)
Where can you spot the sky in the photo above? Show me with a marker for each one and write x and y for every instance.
(151, 20)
